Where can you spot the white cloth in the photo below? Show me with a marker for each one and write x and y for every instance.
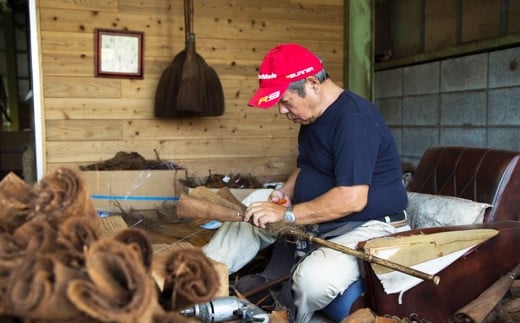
(317, 280)
(237, 243)
(397, 282)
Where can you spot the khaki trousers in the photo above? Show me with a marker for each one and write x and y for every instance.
(317, 280)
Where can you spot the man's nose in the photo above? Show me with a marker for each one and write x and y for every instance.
(282, 109)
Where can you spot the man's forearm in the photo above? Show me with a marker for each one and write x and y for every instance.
(336, 203)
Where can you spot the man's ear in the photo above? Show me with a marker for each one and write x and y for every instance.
(314, 82)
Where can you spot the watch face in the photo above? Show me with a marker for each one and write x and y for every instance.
(289, 215)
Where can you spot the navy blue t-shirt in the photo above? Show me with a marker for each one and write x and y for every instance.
(348, 145)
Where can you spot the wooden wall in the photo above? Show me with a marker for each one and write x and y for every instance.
(88, 119)
(414, 27)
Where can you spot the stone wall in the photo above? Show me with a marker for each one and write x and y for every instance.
(465, 101)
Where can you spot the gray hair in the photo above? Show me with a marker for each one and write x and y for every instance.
(299, 86)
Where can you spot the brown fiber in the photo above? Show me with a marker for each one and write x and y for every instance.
(15, 197)
(118, 289)
(37, 289)
(193, 208)
(60, 195)
(204, 193)
(190, 278)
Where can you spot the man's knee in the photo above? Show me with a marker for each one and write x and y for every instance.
(309, 281)
(316, 279)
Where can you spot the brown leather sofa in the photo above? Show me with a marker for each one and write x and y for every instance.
(480, 174)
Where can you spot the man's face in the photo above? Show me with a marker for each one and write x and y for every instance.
(296, 108)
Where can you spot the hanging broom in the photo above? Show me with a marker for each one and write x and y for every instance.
(170, 81)
(200, 90)
(189, 86)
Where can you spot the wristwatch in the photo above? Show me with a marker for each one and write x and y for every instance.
(289, 214)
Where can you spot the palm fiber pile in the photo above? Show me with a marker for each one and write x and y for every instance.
(55, 266)
(130, 161)
(203, 203)
(235, 180)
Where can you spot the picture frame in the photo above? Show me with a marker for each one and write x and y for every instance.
(119, 53)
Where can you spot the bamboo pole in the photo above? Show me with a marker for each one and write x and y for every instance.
(364, 256)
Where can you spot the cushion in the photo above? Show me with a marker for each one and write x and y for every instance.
(428, 210)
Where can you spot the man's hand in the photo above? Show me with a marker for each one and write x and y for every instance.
(262, 213)
(280, 198)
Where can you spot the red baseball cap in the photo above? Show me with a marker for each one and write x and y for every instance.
(282, 65)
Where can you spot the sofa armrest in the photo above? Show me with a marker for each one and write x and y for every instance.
(460, 282)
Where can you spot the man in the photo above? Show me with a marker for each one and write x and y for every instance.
(346, 187)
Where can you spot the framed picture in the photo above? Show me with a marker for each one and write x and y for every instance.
(119, 53)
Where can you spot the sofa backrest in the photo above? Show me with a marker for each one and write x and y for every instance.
(479, 174)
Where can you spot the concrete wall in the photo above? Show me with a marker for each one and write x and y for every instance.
(466, 101)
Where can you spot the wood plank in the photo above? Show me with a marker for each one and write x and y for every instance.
(81, 87)
(97, 108)
(407, 37)
(97, 5)
(92, 151)
(83, 130)
(135, 109)
(480, 19)
(99, 87)
(207, 128)
(440, 26)
(206, 24)
(188, 129)
(78, 20)
(513, 21)
(258, 13)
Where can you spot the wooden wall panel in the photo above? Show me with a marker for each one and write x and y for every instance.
(480, 19)
(407, 17)
(440, 25)
(512, 18)
(89, 119)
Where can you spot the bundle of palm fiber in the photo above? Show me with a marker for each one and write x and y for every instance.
(235, 180)
(119, 287)
(37, 289)
(129, 161)
(75, 235)
(203, 203)
(60, 195)
(138, 240)
(15, 197)
(42, 253)
(55, 266)
(190, 278)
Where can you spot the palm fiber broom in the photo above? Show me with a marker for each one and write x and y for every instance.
(189, 86)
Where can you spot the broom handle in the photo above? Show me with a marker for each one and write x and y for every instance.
(367, 257)
(187, 22)
(190, 15)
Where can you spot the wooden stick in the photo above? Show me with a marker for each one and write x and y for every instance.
(478, 309)
(364, 256)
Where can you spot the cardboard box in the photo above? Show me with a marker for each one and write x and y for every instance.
(134, 189)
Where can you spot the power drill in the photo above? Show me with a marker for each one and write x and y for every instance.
(226, 308)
